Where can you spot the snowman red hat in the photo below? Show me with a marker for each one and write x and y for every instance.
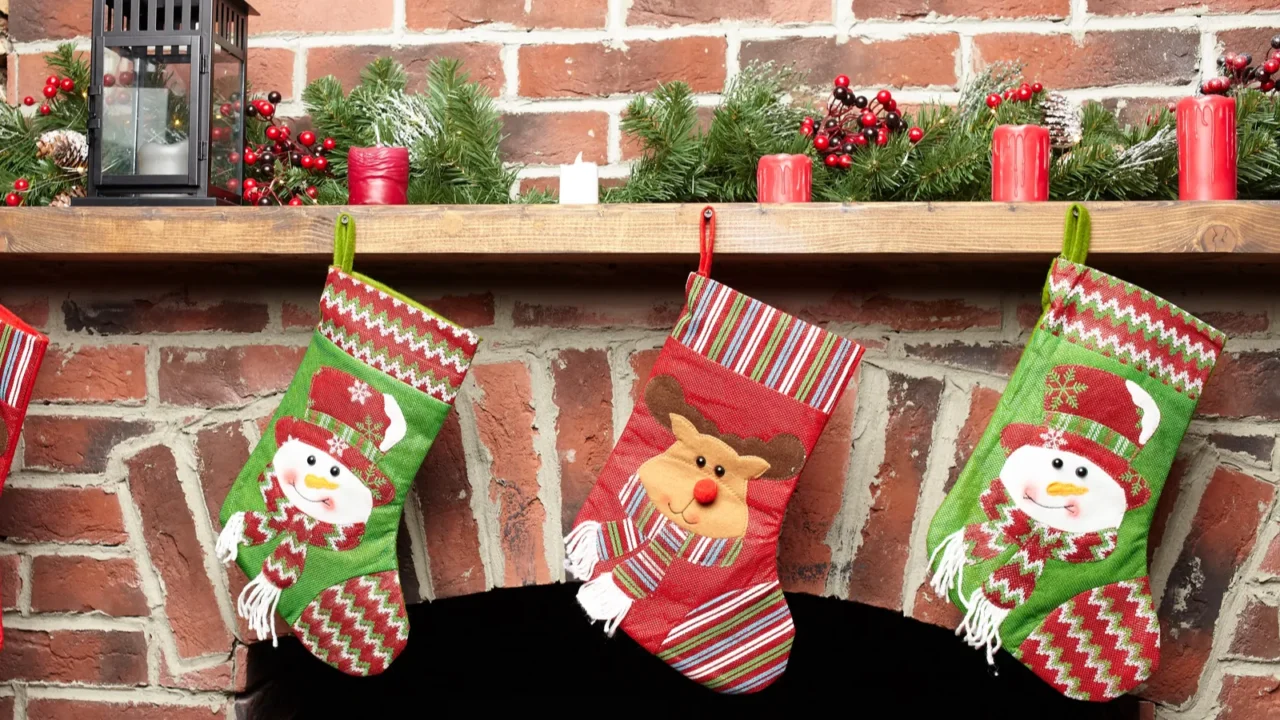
(1097, 415)
(351, 421)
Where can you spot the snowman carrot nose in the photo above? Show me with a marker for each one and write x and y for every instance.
(1058, 489)
(315, 482)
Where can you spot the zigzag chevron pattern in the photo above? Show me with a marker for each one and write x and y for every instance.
(378, 358)
(1123, 321)
(358, 627)
(409, 343)
(1098, 645)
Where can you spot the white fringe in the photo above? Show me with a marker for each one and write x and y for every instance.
(229, 539)
(950, 570)
(603, 600)
(981, 625)
(257, 604)
(581, 549)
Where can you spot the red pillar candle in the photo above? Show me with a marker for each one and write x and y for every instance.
(784, 178)
(378, 176)
(1207, 148)
(1020, 163)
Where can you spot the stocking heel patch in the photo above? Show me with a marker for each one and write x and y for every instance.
(1098, 645)
(737, 643)
(359, 626)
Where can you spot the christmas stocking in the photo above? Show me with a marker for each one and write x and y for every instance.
(313, 516)
(677, 541)
(1043, 541)
(21, 352)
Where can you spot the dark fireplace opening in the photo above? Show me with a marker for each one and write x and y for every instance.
(534, 643)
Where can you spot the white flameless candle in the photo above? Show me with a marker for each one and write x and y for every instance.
(161, 159)
(579, 183)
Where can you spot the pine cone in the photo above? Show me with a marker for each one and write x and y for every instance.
(64, 199)
(1062, 117)
(68, 149)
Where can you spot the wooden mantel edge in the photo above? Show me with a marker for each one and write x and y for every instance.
(1237, 231)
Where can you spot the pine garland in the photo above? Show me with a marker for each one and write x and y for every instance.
(20, 136)
(452, 131)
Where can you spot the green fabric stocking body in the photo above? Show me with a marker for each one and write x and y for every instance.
(1043, 541)
(314, 514)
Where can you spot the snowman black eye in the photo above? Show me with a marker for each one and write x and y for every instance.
(311, 459)
(334, 471)
(1057, 463)
(719, 471)
(1082, 471)
(702, 462)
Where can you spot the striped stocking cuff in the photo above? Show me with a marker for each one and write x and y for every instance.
(765, 345)
(22, 349)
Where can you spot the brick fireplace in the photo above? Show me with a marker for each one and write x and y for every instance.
(160, 379)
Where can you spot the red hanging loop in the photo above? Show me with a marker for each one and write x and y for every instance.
(706, 241)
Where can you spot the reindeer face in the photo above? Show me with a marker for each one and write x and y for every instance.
(700, 483)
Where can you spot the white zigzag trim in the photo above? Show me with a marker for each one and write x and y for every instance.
(1125, 349)
(1176, 338)
(440, 391)
(1062, 672)
(457, 331)
(405, 339)
(1095, 660)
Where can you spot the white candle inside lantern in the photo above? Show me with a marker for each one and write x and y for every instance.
(163, 159)
(579, 183)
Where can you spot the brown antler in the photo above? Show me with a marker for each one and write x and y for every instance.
(784, 453)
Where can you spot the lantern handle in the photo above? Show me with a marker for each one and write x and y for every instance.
(344, 242)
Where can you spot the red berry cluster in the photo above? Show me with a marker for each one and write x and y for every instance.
(1238, 71)
(1022, 93)
(265, 184)
(14, 199)
(52, 86)
(854, 121)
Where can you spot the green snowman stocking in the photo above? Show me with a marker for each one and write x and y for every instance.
(1043, 541)
(313, 516)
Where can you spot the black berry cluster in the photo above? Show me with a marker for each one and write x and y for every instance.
(1239, 72)
(854, 121)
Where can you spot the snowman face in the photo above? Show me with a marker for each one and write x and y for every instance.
(1063, 490)
(320, 486)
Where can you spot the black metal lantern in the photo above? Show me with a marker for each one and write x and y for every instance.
(166, 100)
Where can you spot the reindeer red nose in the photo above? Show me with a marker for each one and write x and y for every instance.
(705, 491)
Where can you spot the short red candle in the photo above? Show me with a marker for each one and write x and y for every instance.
(1020, 163)
(378, 176)
(1207, 148)
(784, 178)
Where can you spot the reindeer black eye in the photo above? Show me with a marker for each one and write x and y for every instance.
(1082, 471)
(334, 471)
(311, 459)
(1057, 463)
(719, 471)
(702, 462)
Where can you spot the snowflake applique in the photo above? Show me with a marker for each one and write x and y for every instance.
(337, 446)
(360, 392)
(1064, 389)
(1054, 439)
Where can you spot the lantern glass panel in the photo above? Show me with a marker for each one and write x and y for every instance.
(225, 139)
(146, 113)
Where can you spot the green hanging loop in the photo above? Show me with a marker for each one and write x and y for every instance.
(1075, 239)
(344, 242)
(1075, 242)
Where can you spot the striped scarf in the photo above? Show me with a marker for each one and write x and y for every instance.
(1008, 528)
(659, 541)
(297, 530)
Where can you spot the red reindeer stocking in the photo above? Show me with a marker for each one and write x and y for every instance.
(678, 539)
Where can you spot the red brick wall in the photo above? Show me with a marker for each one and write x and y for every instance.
(563, 70)
(155, 390)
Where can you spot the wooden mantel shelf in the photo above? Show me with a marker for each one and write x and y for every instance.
(1243, 231)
